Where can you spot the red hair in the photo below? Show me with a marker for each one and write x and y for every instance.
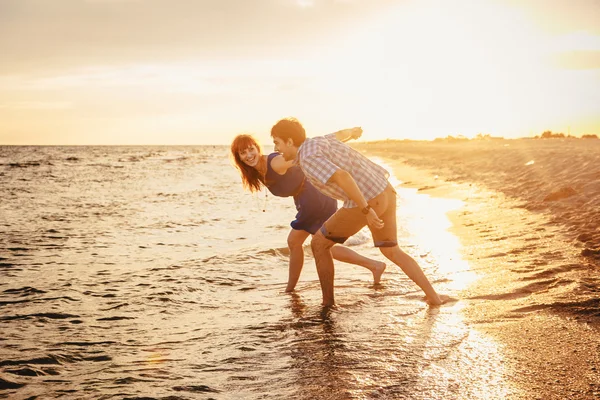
(250, 176)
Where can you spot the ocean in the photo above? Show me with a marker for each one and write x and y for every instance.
(148, 273)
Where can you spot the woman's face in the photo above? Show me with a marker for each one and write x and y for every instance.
(250, 156)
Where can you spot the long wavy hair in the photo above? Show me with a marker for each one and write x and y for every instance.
(250, 176)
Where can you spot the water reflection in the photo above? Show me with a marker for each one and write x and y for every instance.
(367, 352)
(319, 353)
(391, 345)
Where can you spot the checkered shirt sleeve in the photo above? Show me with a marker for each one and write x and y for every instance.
(315, 162)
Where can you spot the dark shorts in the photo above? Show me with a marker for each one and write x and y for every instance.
(314, 208)
(348, 221)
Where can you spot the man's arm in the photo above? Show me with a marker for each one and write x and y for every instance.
(346, 134)
(347, 183)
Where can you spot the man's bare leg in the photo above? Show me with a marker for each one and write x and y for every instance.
(321, 248)
(414, 272)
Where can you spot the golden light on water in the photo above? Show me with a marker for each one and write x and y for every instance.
(443, 337)
(429, 227)
(156, 357)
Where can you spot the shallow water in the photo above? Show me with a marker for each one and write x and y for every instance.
(146, 272)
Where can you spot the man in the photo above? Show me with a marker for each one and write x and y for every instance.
(341, 172)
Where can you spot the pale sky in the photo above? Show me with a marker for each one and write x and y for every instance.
(202, 71)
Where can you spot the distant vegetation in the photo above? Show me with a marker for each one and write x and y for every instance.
(550, 135)
(485, 136)
(461, 138)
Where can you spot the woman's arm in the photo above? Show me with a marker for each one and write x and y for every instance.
(280, 165)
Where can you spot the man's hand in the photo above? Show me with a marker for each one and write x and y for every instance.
(346, 134)
(356, 132)
(373, 220)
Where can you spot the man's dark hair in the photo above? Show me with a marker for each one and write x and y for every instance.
(289, 128)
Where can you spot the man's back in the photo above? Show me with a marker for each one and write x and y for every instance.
(322, 156)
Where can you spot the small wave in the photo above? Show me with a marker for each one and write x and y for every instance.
(115, 307)
(360, 238)
(39, 315)
(52, 359)
(196, 389)
(106, 165)
(169, 160)
(247, 255)
(534, 287)
(156, 398)
(7, 384)
(85, 344)
(278, 251)
(18, 249)
(129, 380)
(116, 318)
(29, 371)
(169, 268)
(7, 302)
(98, 358)
(591, 253)
(551, 272)
(562, 193)
(24, 164)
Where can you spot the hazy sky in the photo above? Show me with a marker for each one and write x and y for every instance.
(202, 71)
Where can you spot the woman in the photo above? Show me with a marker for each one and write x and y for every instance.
(283, 179)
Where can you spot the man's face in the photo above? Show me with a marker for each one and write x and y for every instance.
(286, 148)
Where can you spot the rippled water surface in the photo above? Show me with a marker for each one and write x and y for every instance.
(146, 272)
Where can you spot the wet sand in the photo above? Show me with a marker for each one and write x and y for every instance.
(537, 285)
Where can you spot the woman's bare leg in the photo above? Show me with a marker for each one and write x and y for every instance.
(343, 253)
(295, 241)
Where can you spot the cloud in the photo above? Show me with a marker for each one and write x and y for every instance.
(577, 59)
(111, 1)
(36, 105)
(305, 3)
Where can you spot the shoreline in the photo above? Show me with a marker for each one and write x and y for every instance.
(525, 297)
(560, 178)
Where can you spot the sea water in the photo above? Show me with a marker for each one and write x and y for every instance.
(148, 272)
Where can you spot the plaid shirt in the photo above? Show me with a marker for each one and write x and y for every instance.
(321, 156)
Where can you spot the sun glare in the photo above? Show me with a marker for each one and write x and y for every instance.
(429, 231)
(434, 69)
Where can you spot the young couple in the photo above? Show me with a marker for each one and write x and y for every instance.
(315, 171)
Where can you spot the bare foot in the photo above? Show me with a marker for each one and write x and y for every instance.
(377, 272)
(441, 299)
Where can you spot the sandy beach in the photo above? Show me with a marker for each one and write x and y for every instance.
(559, 177)
(528, 227)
